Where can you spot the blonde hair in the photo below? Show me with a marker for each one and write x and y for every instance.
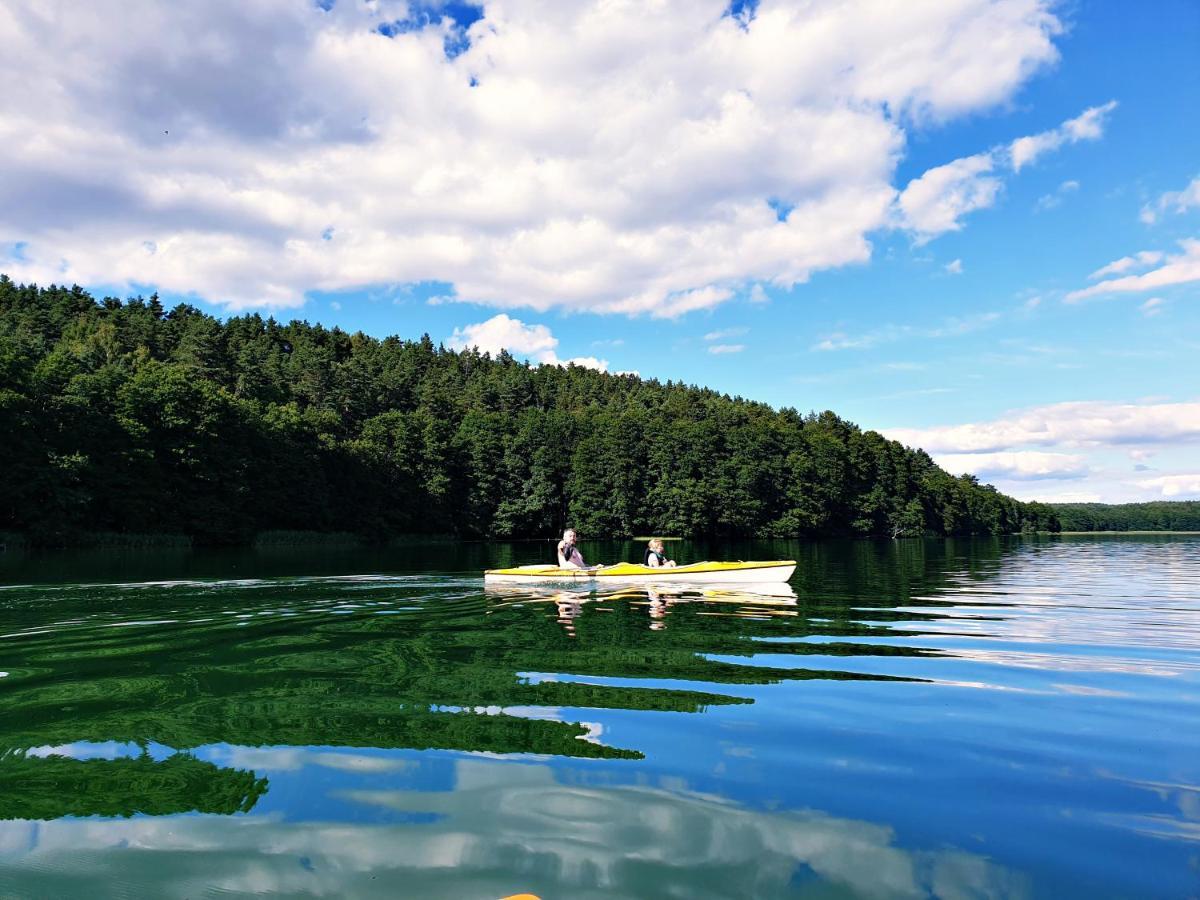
(655, 544)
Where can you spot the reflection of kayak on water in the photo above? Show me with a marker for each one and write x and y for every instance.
(769, 572)
(780, 594)
(747, 600)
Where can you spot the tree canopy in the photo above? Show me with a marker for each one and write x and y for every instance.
(1158, 515)
(126, 417)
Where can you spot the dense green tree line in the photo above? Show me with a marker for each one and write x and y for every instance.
(126, 417)
(1160, 515)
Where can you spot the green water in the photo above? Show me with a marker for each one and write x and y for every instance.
(994, 718)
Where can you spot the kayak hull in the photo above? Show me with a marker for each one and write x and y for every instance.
(768, 572)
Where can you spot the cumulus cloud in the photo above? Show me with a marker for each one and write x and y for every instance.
(1018, 464)
(935, 202)
(1180, 268)
(1075, 424)
(502, 332)
(630, 158)
(1173, 485)
(1069, 452)
(1173, 201)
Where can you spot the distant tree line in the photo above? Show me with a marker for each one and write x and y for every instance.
(126, 417)
(1158, 515)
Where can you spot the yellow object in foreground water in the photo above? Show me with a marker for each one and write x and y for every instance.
(751, 572)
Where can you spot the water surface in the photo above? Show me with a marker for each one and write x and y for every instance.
(993, 718)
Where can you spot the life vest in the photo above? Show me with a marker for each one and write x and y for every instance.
(662, 558)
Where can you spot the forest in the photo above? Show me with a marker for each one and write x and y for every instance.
(123, 417)
(1158, 515)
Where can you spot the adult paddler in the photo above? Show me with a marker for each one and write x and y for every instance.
(569, 556)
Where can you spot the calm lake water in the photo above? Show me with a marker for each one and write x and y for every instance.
(958, 719)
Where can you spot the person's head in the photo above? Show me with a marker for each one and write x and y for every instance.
(569, 535)
(656, 545)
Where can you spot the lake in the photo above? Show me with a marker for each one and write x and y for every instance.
(916, 718)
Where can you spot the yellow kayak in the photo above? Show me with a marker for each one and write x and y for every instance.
(768, 572)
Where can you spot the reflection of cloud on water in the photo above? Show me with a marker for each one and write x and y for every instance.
(87, 750)
(1047, 662)
(1185, 797)
(287, 759)
(504, 828)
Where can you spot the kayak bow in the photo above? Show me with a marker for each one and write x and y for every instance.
(769, 572)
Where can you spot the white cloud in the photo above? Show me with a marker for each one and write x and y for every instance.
(935, 202)
(587, 362)
(1180, 268)
(1072, 452)
(1017, 464)
(725, 333)
(954, 267)
(1075, 424)
(601, 156)
(887, 334)
(1152, 307)
(758, 295)
(1173, 201)
(1069, 497)
(1174, 485)
(502, 332)
(726, 348)
(1120, 266)
(1055, 199)
(1088, 126)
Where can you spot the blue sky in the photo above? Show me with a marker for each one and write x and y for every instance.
(906, 221)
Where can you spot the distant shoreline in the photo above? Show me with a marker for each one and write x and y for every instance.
(1131, 531)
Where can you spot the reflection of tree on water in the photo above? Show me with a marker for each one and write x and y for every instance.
(33, 787)
(438, 676)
